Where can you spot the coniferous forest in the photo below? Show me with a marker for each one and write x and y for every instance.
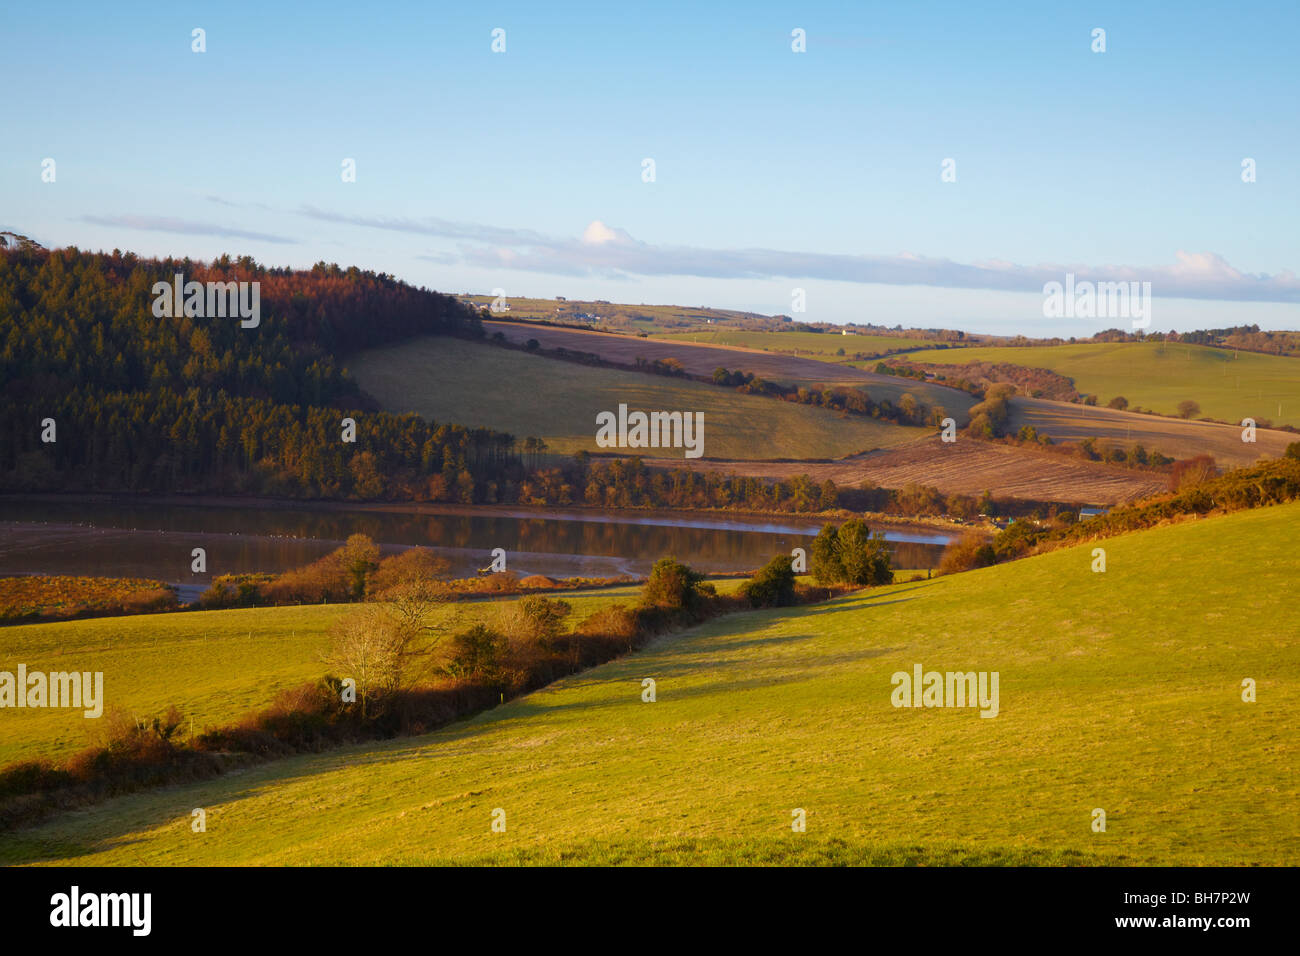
(193, 404)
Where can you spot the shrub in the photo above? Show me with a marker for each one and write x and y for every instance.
(1192, 471)
(537, 581)
(616, 621)
(475, 652)
(323, 580)
(237, 590)
(410, 566)
(534, 619)
(674, 586)
(1188, 409)
(971, 550)
(772, 585)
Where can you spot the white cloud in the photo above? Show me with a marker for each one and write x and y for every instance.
(607, 251)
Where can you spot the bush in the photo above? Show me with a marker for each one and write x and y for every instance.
(972, 550)
(535, 620)
(1192, 471)
(414, 565)
(674, 586)
(323, 580)
(237, 590)
(537, 581)
(616, 621)
(475, 652)
(772, 585)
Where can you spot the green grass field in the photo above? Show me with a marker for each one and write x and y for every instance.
(215, 666)
(1119, 690)
(816, 345)
(451, 380)
(1228, 386)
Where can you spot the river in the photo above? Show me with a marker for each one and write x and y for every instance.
(153, 538)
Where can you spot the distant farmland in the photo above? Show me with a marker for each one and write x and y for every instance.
(820, 345)
(971, 467)
(1065, 421)
(452, 380)
(1228, 385)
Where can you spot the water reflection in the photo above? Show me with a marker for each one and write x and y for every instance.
(149, 539)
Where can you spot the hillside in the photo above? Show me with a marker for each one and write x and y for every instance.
(215, 666)
(971, 467)
(1173, 436)
(701, 359)
(503, 389)
(1228, 385)
(1119, 691)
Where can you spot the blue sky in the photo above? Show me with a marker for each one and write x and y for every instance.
(774, 170)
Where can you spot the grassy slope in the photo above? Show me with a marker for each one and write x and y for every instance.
(1153, 375)
(453, 380)
(214, 665)
(1118, 690)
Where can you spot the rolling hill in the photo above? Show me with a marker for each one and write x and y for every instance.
(1119, 691)
(1065, 421)
(1228, 385)
(702, 359)
(447, 379)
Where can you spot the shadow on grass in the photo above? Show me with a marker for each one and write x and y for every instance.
(172, 805)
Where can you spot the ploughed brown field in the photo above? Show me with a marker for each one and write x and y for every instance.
(967, 466)
(699, 359)
(1172, 436)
